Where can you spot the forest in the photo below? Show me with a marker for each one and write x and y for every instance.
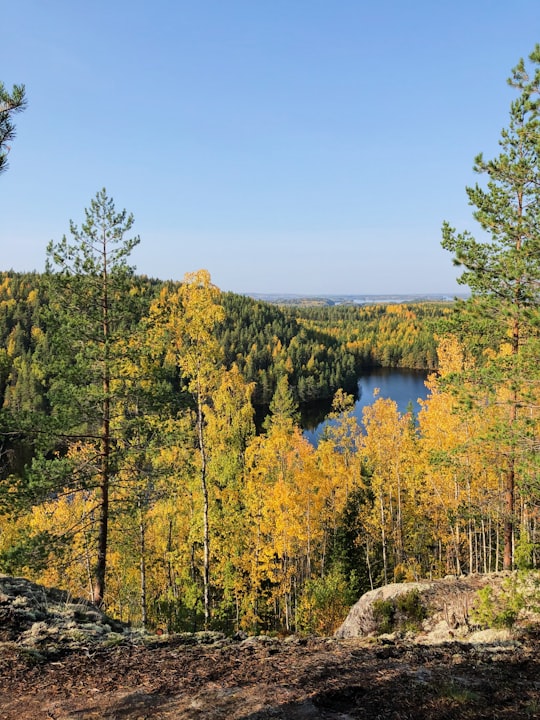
(319, 352)
(132, 470)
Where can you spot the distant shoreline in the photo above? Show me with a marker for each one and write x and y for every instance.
(356, 299)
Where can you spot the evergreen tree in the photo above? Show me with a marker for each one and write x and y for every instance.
(89, 321)
(500, 321)
(283, 407)
(9, 105)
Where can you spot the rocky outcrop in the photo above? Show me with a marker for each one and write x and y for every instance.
(446, 606)
(36, 617)
(46, 621)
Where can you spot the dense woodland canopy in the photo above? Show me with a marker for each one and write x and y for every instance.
(320, 350)
(133, 472)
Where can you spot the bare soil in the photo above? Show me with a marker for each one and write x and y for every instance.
(264, 678)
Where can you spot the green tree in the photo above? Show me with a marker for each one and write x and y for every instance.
(500, 321)
(10, 104)
(283, 408)
(90, 319)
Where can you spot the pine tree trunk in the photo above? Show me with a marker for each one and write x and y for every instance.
(509, 516)
(101, 563)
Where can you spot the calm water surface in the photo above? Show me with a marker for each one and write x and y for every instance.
(402, 386)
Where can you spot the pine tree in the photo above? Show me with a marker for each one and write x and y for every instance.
(9, 105)
(90, 319)
(283, 407)
(500, 321)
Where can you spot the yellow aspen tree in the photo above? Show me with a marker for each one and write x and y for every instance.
(186, 319)
(281, 496)
(230, 428)
(72, 513)
(384, 445)
(459, 477)
(174, 535)
(340, 465)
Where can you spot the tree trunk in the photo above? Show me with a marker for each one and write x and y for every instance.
(383, 541)
(509, 516)
(101, 563)
(206, 521)
(142, 567)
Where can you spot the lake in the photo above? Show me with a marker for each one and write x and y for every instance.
(402, 386)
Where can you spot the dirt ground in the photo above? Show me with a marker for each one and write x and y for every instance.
(261, 678)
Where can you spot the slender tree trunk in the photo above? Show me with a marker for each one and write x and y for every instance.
(490, 545)
(142, 567)
(510, 475)
(383, 542)
(101, 564)
(368, 564)
(206, 521)
(535, 544)
(88, 566)
(471, 545)
(484, 545)
(497, 546)
(308, 554)
(456, 546)
(399, 523)
(509, 499)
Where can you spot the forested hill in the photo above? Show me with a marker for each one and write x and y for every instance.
(394, 335)
(320, 349)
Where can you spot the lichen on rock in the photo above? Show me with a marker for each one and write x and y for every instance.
(448, 605)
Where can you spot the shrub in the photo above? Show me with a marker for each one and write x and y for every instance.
(409, 606)
(324, 603)
(384, 613)
(498, 610)
(404, 612)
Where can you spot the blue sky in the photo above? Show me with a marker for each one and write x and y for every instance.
(302, 146)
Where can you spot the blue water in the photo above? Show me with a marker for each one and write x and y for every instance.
(402, 386)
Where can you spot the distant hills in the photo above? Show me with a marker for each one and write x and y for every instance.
(398, 298)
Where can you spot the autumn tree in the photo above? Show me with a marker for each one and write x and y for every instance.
(340, 466)
(499, 323)
(89, 319)
(388, 449)
(459, 498)
(10, 104)
(186, 318)
(229, 430)
(283, 509)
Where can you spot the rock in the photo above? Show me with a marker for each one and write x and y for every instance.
(361, 620)
(447, 605)
(48, 618)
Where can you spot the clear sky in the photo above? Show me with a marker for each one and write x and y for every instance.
(309, 146)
